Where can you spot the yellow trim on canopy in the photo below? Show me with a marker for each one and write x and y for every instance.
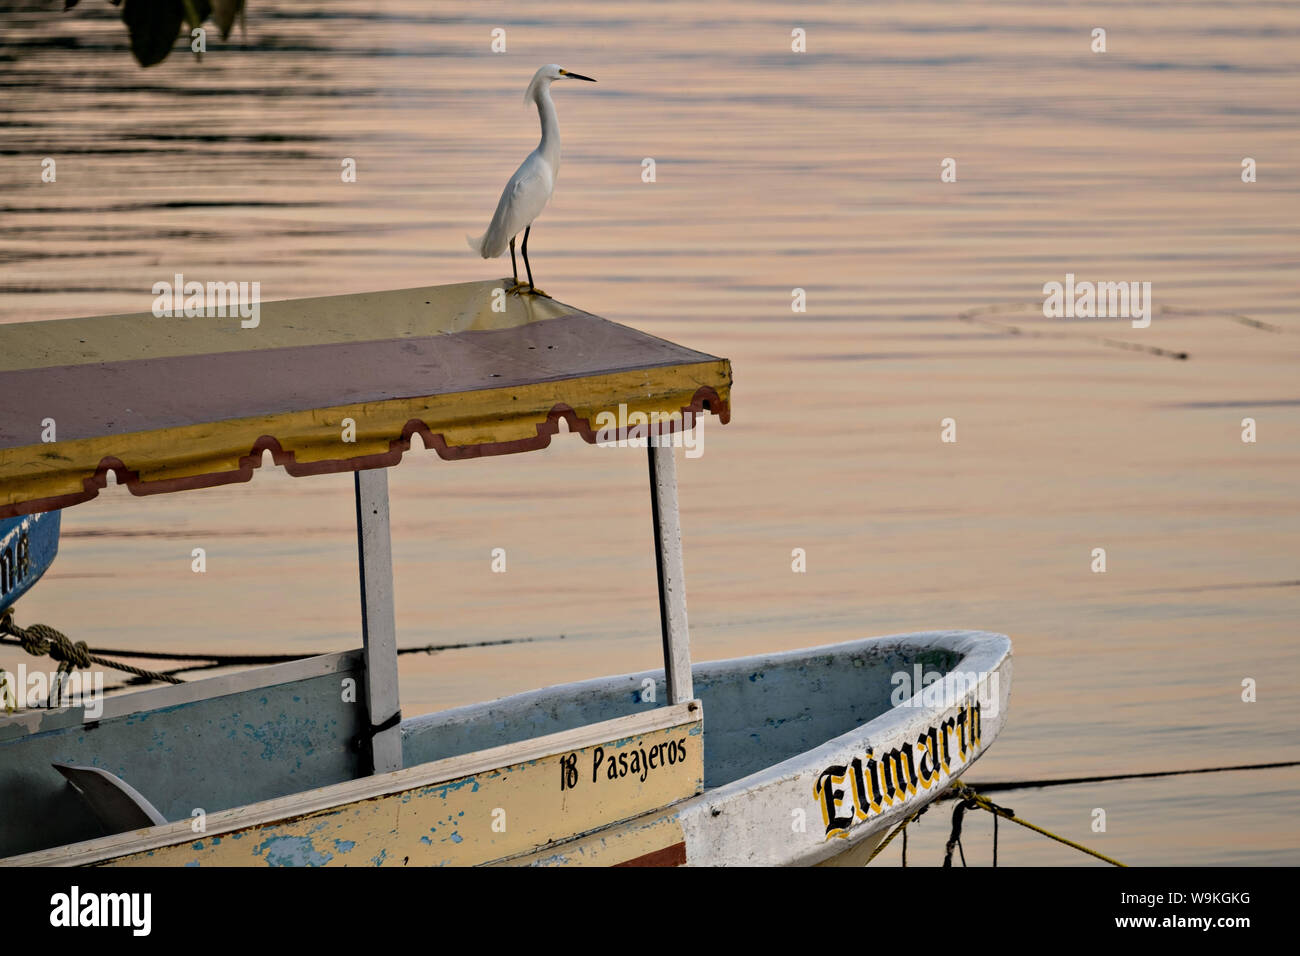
(470, 419)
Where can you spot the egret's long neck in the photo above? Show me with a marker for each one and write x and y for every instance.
(549, 147)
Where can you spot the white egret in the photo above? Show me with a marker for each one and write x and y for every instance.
(530, 188)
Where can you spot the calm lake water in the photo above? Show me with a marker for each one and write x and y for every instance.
(774, 171)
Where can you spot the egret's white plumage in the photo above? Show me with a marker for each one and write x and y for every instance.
(522, 201)
(530, 188)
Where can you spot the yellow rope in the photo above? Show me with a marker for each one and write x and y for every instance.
(985, 803)
(897, 830)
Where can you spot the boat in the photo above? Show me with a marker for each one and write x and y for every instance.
(28, 544)
(802, 757)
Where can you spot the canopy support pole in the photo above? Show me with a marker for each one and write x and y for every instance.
(378, 628)
(672, 575)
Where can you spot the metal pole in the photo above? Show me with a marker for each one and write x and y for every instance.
(672, 575)
(378, 629)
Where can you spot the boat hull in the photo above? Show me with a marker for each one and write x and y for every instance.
(800, 758)
(28, 545)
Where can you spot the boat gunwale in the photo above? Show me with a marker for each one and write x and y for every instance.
(323, 799)
(575, 688)
(882, 724)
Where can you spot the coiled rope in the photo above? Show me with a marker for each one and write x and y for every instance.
(41, 640)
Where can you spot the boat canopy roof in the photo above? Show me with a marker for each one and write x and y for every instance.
(176, 402)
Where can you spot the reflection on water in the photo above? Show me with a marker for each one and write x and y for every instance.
(774, 171)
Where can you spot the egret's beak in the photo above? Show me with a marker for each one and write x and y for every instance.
(576, 76)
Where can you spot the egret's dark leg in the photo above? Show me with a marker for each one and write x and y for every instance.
(529, 269)
(516, 287)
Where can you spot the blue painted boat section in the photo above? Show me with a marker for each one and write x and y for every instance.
(209, 755)
(28, 545)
